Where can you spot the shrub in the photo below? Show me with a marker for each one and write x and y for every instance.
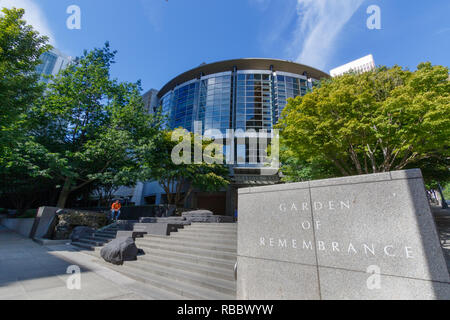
(28, 214)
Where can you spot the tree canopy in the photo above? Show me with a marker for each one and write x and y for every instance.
(180, 180)
(22, 161)
(383, 120)
(93, 124)
(20, 50)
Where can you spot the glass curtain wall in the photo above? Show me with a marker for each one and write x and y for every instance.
(243, 100)
(285, 87)
(166, 108)
(254, 101)
(215, 104)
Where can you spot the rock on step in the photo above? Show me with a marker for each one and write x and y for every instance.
(197, 262)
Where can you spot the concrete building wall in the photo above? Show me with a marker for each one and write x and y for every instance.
(361, 65)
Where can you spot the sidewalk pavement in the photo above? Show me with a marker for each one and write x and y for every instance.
(29, 271)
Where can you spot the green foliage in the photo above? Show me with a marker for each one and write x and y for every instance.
(447, 191)
(387, 119)
(179, 180)
(81, 133)
(297, 170)
(21, 158)
(93, 124)
(20, 49)
(28, 214)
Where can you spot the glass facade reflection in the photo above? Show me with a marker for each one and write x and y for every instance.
(243, 94)
(214, 109)
(52, 63)
(285, 87)
(232, 100)
(253, 101)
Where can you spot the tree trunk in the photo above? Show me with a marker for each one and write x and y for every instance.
(65, 192)
(441, 192)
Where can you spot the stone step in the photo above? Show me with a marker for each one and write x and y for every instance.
(187, 291)
(108, 230)
(187, 243)
(186, 277)
(189, 258)
(202, 236)
(209, 232)
(95, 243)
(189, 250)
(205, 239)
(111, 229)
(83, 246)
(223, 265)
(218, 226)
(210, 271)
(95, 252)
(143, 289)
(106, 234)
(99, 237)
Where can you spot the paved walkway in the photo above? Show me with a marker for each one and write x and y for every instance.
(442, 218)
(29, 271)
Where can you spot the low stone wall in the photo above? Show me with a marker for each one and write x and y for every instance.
(205, 216)
(136, 212)
(21, 226)
(369, 237)
(71, 219)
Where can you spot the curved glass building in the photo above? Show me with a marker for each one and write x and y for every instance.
(241, 94)
(235, 94)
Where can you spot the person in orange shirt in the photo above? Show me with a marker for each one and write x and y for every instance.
(115, 210)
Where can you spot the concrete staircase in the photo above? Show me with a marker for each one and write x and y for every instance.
(98, 239)
(196, 262)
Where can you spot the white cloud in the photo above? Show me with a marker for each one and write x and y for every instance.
(319, 24)
(33, 15)
(279, 26)
(155, 12)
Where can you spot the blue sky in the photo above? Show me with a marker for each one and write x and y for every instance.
(158, 39)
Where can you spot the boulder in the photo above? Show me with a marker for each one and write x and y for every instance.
(81, 232)
(206, 216)
(120, 250)
(197, 213)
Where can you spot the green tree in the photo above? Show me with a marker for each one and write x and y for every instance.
(387, 119)
(180, 180)
(93, 123)
(26, 174)
(20, 49)
(298, 170)
(23, 162)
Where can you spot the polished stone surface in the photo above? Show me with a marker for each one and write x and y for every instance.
(263, 282)
(342, 228)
